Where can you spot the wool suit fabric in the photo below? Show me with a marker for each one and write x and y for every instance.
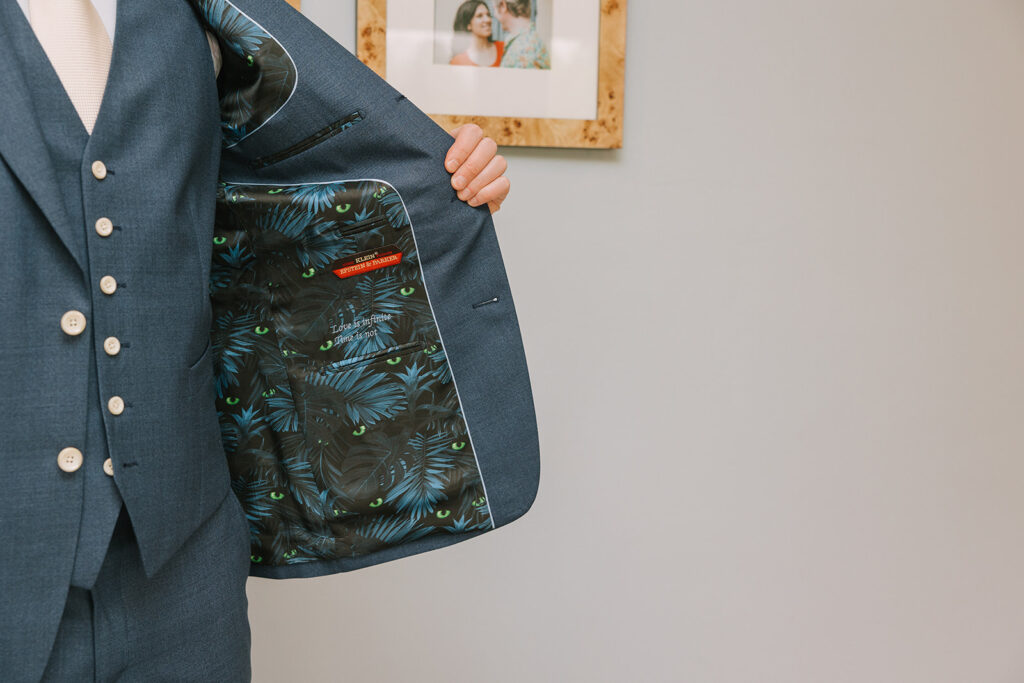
(162, 166)
(167, 164)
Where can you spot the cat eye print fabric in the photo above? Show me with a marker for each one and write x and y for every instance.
(257, 74)
(340, 417)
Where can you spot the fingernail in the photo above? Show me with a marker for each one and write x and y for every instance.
(451, 164)
(474, 202)
(459, 182)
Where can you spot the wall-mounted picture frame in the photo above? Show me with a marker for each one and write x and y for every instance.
(531, 73)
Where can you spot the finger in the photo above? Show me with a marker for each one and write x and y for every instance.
(493, 194)
(494, 168)
(466, 139)
(477, 160)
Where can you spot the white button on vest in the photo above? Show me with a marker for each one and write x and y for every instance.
(108, 467)
(108, 285)
(104, 226)
(69, 459)
(73, 323)
(99, 170)
(112, 345)
(115, 405)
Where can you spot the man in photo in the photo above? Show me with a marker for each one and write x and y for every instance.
(524, 48)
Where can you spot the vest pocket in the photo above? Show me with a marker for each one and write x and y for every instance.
(200, 372)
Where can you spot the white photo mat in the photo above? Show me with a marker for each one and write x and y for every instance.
(567, 91)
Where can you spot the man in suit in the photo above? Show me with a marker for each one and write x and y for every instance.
(127, 552)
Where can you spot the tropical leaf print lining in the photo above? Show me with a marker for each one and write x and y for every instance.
(257, 76)
(340, 419)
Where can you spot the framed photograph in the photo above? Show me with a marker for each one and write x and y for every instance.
(536, 73)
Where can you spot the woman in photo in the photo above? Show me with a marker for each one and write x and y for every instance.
(473, 18)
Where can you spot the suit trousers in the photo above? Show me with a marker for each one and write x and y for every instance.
(188, 623)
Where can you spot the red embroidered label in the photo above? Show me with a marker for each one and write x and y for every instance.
(365, 261)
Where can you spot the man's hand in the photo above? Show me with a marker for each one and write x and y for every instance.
(477, 168)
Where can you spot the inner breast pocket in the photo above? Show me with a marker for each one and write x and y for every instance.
(362, 301)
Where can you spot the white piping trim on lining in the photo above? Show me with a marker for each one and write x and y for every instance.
(295, 85)
(426, 290)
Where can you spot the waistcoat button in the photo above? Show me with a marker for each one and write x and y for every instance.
(112, 345)
(108, 467)
(104, 226)
(99, 170)
(115, 405)
(73, 323)
(108, 285)
(69, 459)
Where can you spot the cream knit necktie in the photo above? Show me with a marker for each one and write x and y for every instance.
(79, 48)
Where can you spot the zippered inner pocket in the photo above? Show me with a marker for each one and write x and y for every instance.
(325, 133)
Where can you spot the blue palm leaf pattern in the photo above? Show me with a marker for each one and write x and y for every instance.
(248, 100)
(288, 222)
(429, 460)
(301, 483)
(339, 414)
(395, 211)
(364, 398)
(389, 531)
(280, 409)
(230, 192)
(416, 380)
(237, 31)
(233, 341)
(315, 197)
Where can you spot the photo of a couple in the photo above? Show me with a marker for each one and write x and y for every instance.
(515, 34)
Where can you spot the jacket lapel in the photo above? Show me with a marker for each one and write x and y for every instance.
(21, 137)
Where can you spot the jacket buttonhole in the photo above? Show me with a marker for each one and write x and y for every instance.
(492, 300)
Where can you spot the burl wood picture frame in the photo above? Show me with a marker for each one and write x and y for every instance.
(602, 132)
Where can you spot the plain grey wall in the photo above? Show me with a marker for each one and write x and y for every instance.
(777, 348)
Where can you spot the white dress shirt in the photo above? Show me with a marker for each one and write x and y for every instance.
(107, 9)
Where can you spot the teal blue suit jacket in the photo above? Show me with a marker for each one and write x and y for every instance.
(371, 382)
(309, 317)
